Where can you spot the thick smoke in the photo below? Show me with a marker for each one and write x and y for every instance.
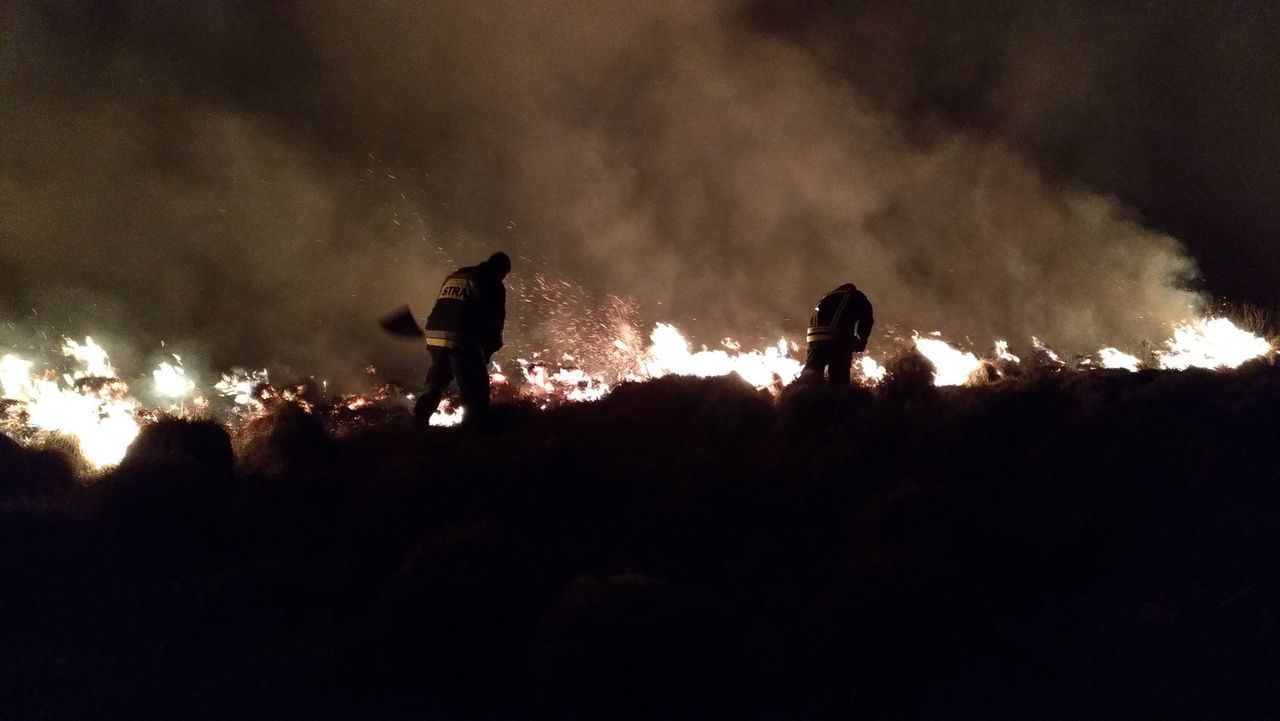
(259, 181)
(1170, 106)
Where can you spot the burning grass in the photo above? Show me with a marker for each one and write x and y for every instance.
(91, 404)
(1054, 545)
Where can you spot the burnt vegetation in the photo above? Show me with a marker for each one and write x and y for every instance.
(1063, 545)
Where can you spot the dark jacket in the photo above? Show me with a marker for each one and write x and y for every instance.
(469, 311)
(843, 315)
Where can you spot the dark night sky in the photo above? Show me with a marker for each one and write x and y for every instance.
(982, 168)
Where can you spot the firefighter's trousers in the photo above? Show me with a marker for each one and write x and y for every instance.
(833, 359)
(469, 368)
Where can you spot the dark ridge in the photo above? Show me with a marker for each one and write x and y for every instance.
(1066, 545)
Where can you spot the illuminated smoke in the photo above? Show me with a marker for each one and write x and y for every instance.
(665, 152)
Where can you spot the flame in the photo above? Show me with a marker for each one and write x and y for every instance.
(239, 384)
(563, 385)
(951, 367)
(15, 375)
(1003, 354)
(1044, 355)
(90, 404)
(669, 354)
(1118, 359)
(871, 371)
(584, 387)
(1211, 343)
(171, 380)
(91, 357)
(446, 415)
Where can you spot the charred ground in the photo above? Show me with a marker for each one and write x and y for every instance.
(1097, 545)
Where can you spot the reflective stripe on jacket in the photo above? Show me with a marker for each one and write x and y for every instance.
(446, 339)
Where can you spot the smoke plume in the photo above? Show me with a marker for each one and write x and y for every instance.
(258, 182)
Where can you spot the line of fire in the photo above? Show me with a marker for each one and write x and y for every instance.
(90, 403)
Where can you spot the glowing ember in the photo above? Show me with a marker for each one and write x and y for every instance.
(1211, 343)
(357, 402)
(951, 367)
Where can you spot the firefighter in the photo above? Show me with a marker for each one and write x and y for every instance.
(840, 327)
(463, 331)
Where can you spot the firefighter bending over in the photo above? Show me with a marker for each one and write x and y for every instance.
(463, 331)
(840, 327)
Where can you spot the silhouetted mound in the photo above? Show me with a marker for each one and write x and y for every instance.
(625, 645)
(677, 404)
(805, 407)
(1060, 545)
(287, 436)
(34, 473)
(10, 453)
(910, 378)
(201, 442)
(164, 512)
